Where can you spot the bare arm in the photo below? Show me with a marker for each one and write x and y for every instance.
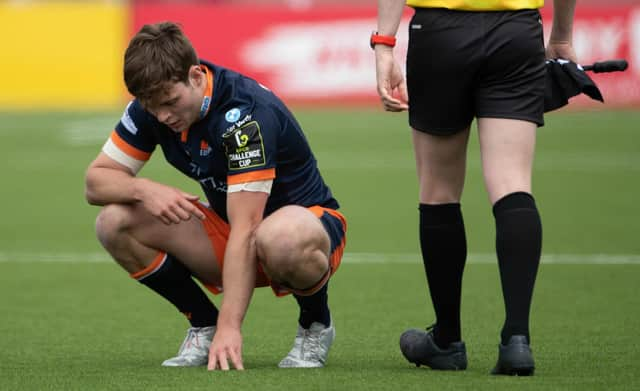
(562, 29)
(109, 182)
(561, 38)
(389, 14)
(245, 210)
(391, 84)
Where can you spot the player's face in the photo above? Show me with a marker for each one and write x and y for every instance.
(178, 106)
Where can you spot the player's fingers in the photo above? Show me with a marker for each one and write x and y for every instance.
(236, 359)
(189, 196)
(198, 213)
(212, 361)
(192, 210)
(180, 211)
(173, 218)
(223, 361)
(165, 220)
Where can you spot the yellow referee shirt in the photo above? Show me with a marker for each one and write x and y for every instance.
(477, 5)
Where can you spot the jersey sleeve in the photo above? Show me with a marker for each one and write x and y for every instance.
(131, 143)
(251, 151)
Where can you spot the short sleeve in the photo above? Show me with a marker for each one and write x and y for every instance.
(131, 143)
(251, 149)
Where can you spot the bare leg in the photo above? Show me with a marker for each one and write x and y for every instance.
(441, 164)
(164, 258)
(293, 247)
(134, 238)
(507, 148)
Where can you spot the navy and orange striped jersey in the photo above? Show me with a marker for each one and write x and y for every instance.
(247, 135)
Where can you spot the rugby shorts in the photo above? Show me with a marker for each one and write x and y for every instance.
(462, 65)
(218, 232)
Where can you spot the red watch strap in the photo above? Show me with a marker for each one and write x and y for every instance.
(382, 39)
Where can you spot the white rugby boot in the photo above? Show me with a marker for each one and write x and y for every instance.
(310, 347)
(195, 348)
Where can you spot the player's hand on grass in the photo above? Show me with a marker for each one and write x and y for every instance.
(226, 348)
(392, 87)
(167, 203)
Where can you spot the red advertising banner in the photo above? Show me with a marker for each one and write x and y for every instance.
(321, 54)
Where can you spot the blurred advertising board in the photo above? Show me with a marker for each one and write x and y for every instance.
(62, 54)
(321, 54)
(314, 54)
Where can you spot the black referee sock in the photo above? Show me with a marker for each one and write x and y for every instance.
(314, 308)
(518, 246)
(444, 253)
(172, 280)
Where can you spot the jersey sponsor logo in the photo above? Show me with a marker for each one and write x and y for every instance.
(205, 149)
(232, 115)
(244, 147)
(241, 139)
(127, 121)
(236, 125)
(206, 102)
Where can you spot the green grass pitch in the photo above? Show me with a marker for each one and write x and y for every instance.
(72, 320)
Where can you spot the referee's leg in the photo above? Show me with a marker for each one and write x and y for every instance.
(507, 148)
(441, 166)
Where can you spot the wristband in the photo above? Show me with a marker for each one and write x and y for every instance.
(382, 40)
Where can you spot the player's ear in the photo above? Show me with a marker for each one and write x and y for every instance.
(196, 75)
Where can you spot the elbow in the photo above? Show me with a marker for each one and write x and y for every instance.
(90, 193)
(91, 198)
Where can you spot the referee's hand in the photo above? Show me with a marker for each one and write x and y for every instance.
(392, 87)
(561, 49)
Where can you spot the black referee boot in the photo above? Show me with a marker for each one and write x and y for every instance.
(419, 348)
(515, 358)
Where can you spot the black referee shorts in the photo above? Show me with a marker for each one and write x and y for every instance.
(462, 65)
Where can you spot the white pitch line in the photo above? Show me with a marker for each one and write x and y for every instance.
(89, 131)
(482, 258)
(349, 258)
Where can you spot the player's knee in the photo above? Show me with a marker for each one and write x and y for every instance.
(112, 220)
(288, 259)
(276, 242)
(292, 245)
(278, 249)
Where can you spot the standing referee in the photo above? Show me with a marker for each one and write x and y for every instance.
(467, 59)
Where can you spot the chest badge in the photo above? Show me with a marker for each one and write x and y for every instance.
(205, 149)
(232, 115)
